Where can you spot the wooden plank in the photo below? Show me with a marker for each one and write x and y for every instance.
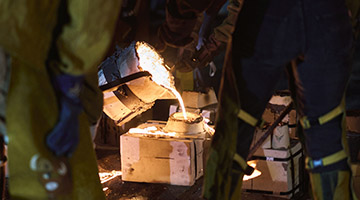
(199, 100)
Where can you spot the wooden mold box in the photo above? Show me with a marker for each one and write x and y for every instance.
(281, 171)
(176, 161)
(199, 100)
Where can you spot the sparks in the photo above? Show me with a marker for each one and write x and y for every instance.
(152, 62)
(152, 131)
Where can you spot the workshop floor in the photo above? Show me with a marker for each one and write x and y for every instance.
(116, 189)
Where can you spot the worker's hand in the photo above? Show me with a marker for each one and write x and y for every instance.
(64, 138)
(189, 60)
(210, 48)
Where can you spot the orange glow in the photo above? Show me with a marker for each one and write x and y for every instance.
(208, 128)
(107, 176)
(152, 131)
(152, 62)
(256, 172)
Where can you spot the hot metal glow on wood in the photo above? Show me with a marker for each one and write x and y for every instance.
(255, 174)
(107, 176)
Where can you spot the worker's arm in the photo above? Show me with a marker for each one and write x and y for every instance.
(223, 32)
(86, 38)
(208, 48)
(26, 29)
(86, 31)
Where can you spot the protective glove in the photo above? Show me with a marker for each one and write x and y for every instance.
(190, 60)
(211, 47)
(63, 139)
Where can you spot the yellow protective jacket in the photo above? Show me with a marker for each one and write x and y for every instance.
(27, 30)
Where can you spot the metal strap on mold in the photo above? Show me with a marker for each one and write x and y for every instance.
(270, 130)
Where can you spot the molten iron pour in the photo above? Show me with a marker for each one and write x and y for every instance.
(118, 103)
(125, 100)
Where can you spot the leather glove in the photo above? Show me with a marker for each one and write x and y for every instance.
(64, 138)
(202, 57)
(199, 58)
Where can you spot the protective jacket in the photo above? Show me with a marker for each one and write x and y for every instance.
(79, 32)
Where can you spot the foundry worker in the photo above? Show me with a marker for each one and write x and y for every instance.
(208, 42)
(267, 36)
(181, 22)
(54, 48)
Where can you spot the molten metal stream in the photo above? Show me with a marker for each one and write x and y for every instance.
(152, 62)
(178, 96)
